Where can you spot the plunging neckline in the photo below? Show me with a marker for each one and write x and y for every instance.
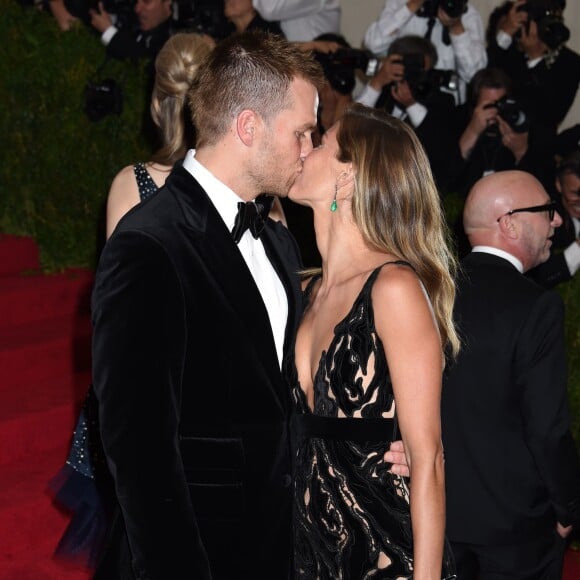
(337, 327)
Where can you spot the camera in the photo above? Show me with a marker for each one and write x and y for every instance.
(203, 17)
(339, 67)
(350, 59)
(102, 99)
(548, 18)
(423, 82)
(453, 8)
(511, 112)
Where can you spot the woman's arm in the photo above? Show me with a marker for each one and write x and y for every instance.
(123, 195)
(406, 326)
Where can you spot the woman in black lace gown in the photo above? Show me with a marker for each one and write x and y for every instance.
(369, 356)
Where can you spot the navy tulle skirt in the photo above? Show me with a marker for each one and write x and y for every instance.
(84, 488)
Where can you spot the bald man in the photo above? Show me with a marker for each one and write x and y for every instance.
(512, 470)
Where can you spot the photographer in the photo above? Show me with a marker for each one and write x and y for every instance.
(527, 40)
(302, 20)
(409, 87)
(495, 133)
(241, 16)
(453, 26)
(138, 37)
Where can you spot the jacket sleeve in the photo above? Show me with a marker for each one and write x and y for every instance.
(138, 355)
(541, 374)
(551, 272)
(381, 33)
(124, 44)
(287, 9)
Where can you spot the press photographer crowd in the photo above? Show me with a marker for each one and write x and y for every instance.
(480, 98)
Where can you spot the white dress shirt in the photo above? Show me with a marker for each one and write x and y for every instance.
(302, 20)
(500, 254)
(416, 112)
(466, 53)
(572, 252)
(269, 285)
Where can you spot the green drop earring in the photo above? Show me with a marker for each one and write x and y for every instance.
(334, 205)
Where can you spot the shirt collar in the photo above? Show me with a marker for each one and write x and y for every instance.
(576, 223)
(223, 198)
(500, 254)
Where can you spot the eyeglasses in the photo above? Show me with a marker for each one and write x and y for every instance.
(549, 207)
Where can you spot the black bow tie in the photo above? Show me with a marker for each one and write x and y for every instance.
(252, 216)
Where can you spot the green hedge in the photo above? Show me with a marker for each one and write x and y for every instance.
(56, 165)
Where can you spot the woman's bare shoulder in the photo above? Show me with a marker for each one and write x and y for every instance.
(397, 289)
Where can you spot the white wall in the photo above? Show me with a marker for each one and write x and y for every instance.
(358, 14)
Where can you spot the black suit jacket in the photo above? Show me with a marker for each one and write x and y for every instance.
(130, 42)
(193, 409)
(512, 469)
(434, 132)
(546, 91)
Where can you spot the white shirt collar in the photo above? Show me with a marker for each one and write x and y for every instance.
(500, 254)
(576, 223)
(223, 198)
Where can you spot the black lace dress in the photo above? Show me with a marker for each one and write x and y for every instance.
(351, 516)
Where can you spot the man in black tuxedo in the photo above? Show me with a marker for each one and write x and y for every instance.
(191, 322)
(562, 266)
(512, 470)
(196, 300)
(526, 39)
(141, 37)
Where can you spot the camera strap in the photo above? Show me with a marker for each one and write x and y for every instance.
(430, 25)
(445, 38)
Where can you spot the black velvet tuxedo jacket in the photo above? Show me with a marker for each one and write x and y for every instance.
(193, 409)
(512, 469)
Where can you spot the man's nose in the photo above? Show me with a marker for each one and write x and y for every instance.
(557, 221)
(306, 149)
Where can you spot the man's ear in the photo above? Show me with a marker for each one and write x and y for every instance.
(507, 226)
(246, 126)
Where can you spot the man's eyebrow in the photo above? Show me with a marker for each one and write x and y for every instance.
(307, 127)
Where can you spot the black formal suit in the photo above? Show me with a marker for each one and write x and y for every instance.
(547, 91)
(434, 132)
(130, 42)
(512, 469)
(555, 269)
(194, 411)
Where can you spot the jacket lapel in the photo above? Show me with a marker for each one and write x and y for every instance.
(227, 267)
(284, 257)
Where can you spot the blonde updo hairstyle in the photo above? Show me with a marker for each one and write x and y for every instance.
(396, 204)
(176, 66)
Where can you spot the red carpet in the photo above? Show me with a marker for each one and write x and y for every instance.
(44, 374)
